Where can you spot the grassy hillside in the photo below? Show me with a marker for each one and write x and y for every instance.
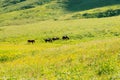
(14, 12)
(77, 29)
(93, 51)
(16, 5)
(70, 5)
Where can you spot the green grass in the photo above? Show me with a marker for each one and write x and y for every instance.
(93, 51)
(76, 29)
(97, 59)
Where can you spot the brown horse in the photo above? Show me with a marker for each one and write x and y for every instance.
(55, 38)
(65, 38)
(48, 40)
(31, 41)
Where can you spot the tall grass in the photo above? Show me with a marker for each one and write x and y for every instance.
(93, 51)
(97, 59)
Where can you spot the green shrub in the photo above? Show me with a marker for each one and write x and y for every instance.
(88, 35)
(107, 13)
(4, 58)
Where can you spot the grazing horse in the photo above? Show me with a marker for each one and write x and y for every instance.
(48, 40)
(65, 38)
(31, 41)
(55, 38)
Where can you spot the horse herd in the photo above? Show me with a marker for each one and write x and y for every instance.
(50, 39)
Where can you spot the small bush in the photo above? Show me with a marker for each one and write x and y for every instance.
(88, 35)
(4, 58)
(115, 33)
(27, 7)
(107, 13)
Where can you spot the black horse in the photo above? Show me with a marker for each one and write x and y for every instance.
(65, 38)
(55, 38)
(48, 40)
(31, 41)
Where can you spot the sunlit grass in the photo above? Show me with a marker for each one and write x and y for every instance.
(93, 51)
(97, 59)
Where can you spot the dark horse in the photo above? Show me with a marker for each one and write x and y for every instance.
(55, 38)
(65, 38)
(48, 40)
(31, 41)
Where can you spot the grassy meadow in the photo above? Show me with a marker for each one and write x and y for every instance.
(92, 53)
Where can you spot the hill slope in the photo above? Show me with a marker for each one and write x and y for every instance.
(25, 11)
(16, 5)
(70, 5)
(92, 52)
